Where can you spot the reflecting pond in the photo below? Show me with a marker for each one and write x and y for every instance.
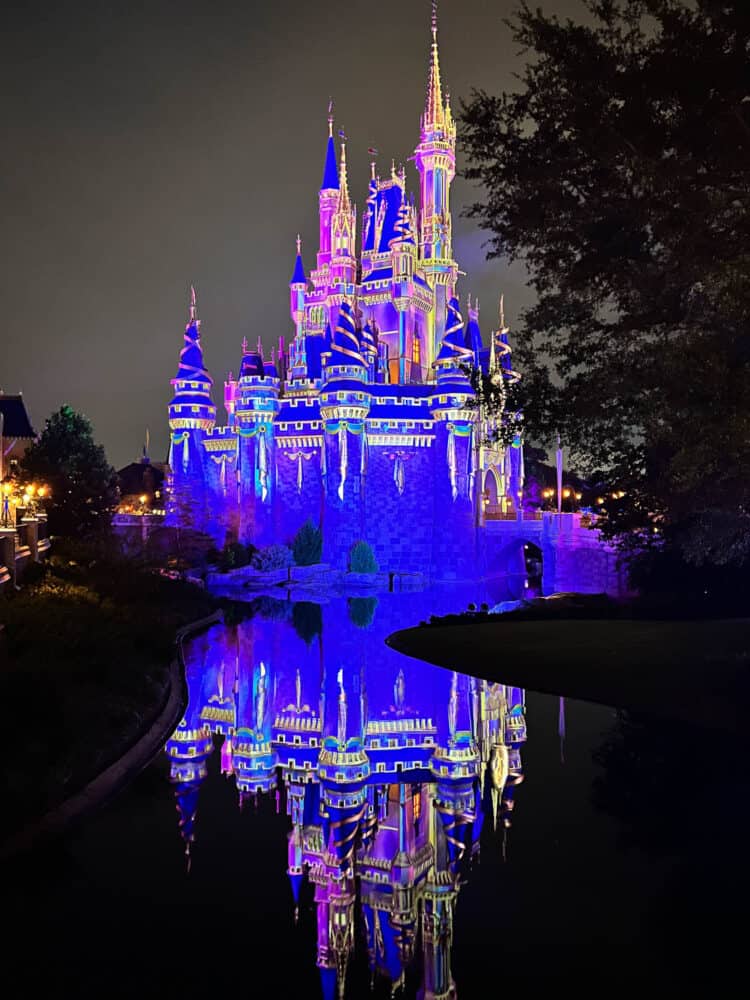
(332, 819)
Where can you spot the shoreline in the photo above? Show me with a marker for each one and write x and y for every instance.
(129, 762)
(696, 672)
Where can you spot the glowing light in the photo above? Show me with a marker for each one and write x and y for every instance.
(143, 498)
(566, 493)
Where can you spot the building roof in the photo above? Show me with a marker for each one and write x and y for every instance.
(330, 171)
(139, 477)
(16, 423)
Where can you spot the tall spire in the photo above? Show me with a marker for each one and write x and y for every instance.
(344, 205)
(193, 306)
(330, 174)
(434, 112)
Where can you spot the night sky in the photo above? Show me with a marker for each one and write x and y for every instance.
(149, 145)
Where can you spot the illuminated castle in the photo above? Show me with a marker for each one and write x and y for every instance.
(387, 768)
(364, 421)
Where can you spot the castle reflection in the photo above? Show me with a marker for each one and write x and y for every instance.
(387, 768)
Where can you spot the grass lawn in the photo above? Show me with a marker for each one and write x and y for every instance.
(84, 663)
(692, 670)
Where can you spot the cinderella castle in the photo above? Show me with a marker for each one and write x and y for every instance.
(366, 419)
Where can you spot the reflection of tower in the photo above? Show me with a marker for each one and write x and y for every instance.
(335, 906)
(437, 938)
(455, 765)
(254, 757)
(188, 750)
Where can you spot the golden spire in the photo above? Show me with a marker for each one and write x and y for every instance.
(344, 205)
(434, 112)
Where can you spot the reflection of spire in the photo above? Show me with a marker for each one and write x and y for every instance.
(399, 690)
(453, 706)
(342, 709)
(561, 729)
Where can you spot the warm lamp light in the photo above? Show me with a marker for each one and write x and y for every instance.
(566, 493)
(143, 498)
(579, 496)
(6, 488)
(600, 499)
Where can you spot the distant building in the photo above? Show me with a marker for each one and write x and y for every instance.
(16, 431)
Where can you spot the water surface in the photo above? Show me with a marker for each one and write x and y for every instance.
(331, 818)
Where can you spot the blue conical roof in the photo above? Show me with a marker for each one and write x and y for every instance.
(298, 275)
(372, 209)
(330, 170)
(191, 356)
(345, 348)
(452, 347)
(473, 335)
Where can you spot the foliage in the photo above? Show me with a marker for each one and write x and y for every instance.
(272, 557)
(362, 558)
(618, 172)
(362, 610)
(93, 641)
(307, 546)
(307, 619)
(83, 484)
(235, 555)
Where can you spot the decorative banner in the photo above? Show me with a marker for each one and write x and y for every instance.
(263, 465)
(343, 458)
(452, 462)
(298, 456)
(180, 437)
(398, 474)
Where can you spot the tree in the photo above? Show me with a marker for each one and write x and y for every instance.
(82, 483)
(619, 172)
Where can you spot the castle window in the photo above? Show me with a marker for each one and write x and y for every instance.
(195, 409)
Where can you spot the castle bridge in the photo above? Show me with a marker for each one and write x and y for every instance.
(574, 555)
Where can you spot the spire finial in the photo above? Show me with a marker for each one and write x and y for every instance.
(330, 117)
(244, 345)
(434, 112)
(503, 328)
(299, 244)
(193, 306)
(260, 347)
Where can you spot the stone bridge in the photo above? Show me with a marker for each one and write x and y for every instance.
(574, 555)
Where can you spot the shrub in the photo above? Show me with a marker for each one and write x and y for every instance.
(362, 610)
(272, 557)
(307, 546)
(362, 558)
(235, 555)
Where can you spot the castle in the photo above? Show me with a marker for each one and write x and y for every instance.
(366, 420)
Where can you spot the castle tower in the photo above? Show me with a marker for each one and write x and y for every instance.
(435, 158)
(404, 264)
(191, 415)
(297, 288)
(344, 234)
(256, 409)
(455, 491)
(327, 197)
(344, 406)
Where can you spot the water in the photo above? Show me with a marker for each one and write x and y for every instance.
(560, 846)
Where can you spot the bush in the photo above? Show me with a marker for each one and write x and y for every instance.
(362, 610)
(307, 546)
(272, 557)
(235, 555)
(362, 558)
